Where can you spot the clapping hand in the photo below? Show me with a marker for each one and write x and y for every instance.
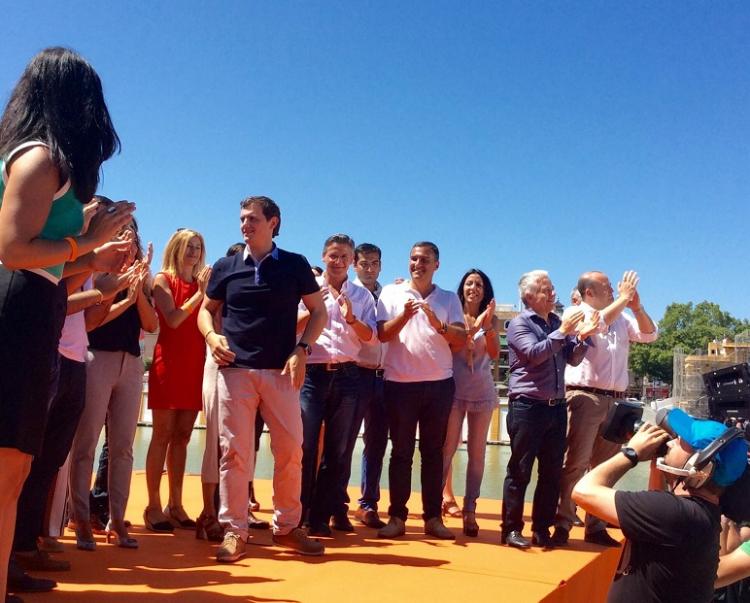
(345, 305)
(627, 287)
(203, 277)
(570, 322)
(588, 327)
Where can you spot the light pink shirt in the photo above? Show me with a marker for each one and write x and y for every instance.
(338, 341)
(419, 353)
(605, 365)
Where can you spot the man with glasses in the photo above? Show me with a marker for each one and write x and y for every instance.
(330, 392)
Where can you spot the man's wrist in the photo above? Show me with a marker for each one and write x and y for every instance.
(352, 321)
(638, 309)
(305, 347)
(630, 454)
(443, 328)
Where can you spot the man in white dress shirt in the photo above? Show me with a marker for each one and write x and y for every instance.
(331, 389)
(593, 387)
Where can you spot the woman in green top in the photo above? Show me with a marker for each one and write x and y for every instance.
(54, 135)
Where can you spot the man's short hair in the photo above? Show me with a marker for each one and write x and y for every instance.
(235, 249)
(587, 281)
(268, 207)
(429, 245)
(339, 238)
(363, 248)
(528, 282)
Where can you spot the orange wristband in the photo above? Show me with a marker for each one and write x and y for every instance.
(73, 249)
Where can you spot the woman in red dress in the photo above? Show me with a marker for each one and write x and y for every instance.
(176, 375)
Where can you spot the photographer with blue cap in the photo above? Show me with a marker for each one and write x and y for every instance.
(672, 530)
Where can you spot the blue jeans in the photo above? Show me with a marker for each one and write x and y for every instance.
(426, 404)
(371, 409)
(537, 431)
(328, 397)
(478, 416)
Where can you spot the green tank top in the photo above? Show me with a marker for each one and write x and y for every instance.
(65, 218)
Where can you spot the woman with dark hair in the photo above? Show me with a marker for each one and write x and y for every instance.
(54, 135)
(475, 398)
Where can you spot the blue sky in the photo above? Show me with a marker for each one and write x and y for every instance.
(516, 135)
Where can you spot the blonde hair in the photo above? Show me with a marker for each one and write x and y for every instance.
(174, 252)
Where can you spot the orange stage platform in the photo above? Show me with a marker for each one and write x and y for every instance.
(356, 567)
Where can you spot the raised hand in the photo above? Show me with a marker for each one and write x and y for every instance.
(149, 254)
(588, 327)
(107, 222)
(627, 287)
(485, 318)
(345, 305)
(411, 307)
(570, 322)
(434, 321)
(111, 257)
(203, 277)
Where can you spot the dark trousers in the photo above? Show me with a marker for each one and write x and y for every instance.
(62, 421)
(427, 405)
(371, 409)
(537, 431)
(330, 398)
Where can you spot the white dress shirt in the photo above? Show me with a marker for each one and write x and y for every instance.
(371, 356)
(419, 352)
(605, 365)
(338, 342)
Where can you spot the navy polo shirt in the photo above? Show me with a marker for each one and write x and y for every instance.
(259, 317)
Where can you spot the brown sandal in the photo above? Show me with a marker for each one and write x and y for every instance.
(208, 528)
(451, 509)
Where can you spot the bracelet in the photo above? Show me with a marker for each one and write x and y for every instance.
(187, 307)
(207, 334)
(73, 248)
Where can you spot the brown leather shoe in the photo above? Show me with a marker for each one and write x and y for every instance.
(369, 518)
(299, 542)
(39, 561)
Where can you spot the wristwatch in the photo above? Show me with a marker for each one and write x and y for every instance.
(305, 346)
(630, 454)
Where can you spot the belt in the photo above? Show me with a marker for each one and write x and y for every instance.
(379, 372)
(331, 366)
(595, 390)
(547, 402)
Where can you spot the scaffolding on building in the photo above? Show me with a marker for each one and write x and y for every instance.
(688, 370)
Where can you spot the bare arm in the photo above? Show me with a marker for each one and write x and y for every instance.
(732, 567)
(146, 312)
(32, 183)
(174, 316)
(645, 324)
(595, 492)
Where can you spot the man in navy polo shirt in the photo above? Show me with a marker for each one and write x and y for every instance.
(257, 293)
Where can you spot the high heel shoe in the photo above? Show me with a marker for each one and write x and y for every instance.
(162, 525)
(450, 509)
(208, 528)
(471, 527)
(85, 542)
(125, 542)
(176, 520)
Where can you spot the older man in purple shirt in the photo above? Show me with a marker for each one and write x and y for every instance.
(540, 345)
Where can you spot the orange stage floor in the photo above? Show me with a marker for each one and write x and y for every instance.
(356, 567)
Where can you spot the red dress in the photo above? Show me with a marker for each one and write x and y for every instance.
(175, 379)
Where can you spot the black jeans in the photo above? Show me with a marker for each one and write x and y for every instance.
(62, 421)
(426, 404)
(537, 431)
(328, 397)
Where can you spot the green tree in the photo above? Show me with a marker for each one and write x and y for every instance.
(689, 326)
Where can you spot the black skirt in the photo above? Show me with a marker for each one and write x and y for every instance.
(32, 313)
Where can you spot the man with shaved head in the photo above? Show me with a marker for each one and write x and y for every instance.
(594, 385)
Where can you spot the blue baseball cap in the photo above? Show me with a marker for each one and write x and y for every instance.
(730, 462)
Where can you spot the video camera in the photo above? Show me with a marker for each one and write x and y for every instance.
(626, 417)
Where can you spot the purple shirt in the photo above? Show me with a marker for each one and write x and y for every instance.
(538, 354)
